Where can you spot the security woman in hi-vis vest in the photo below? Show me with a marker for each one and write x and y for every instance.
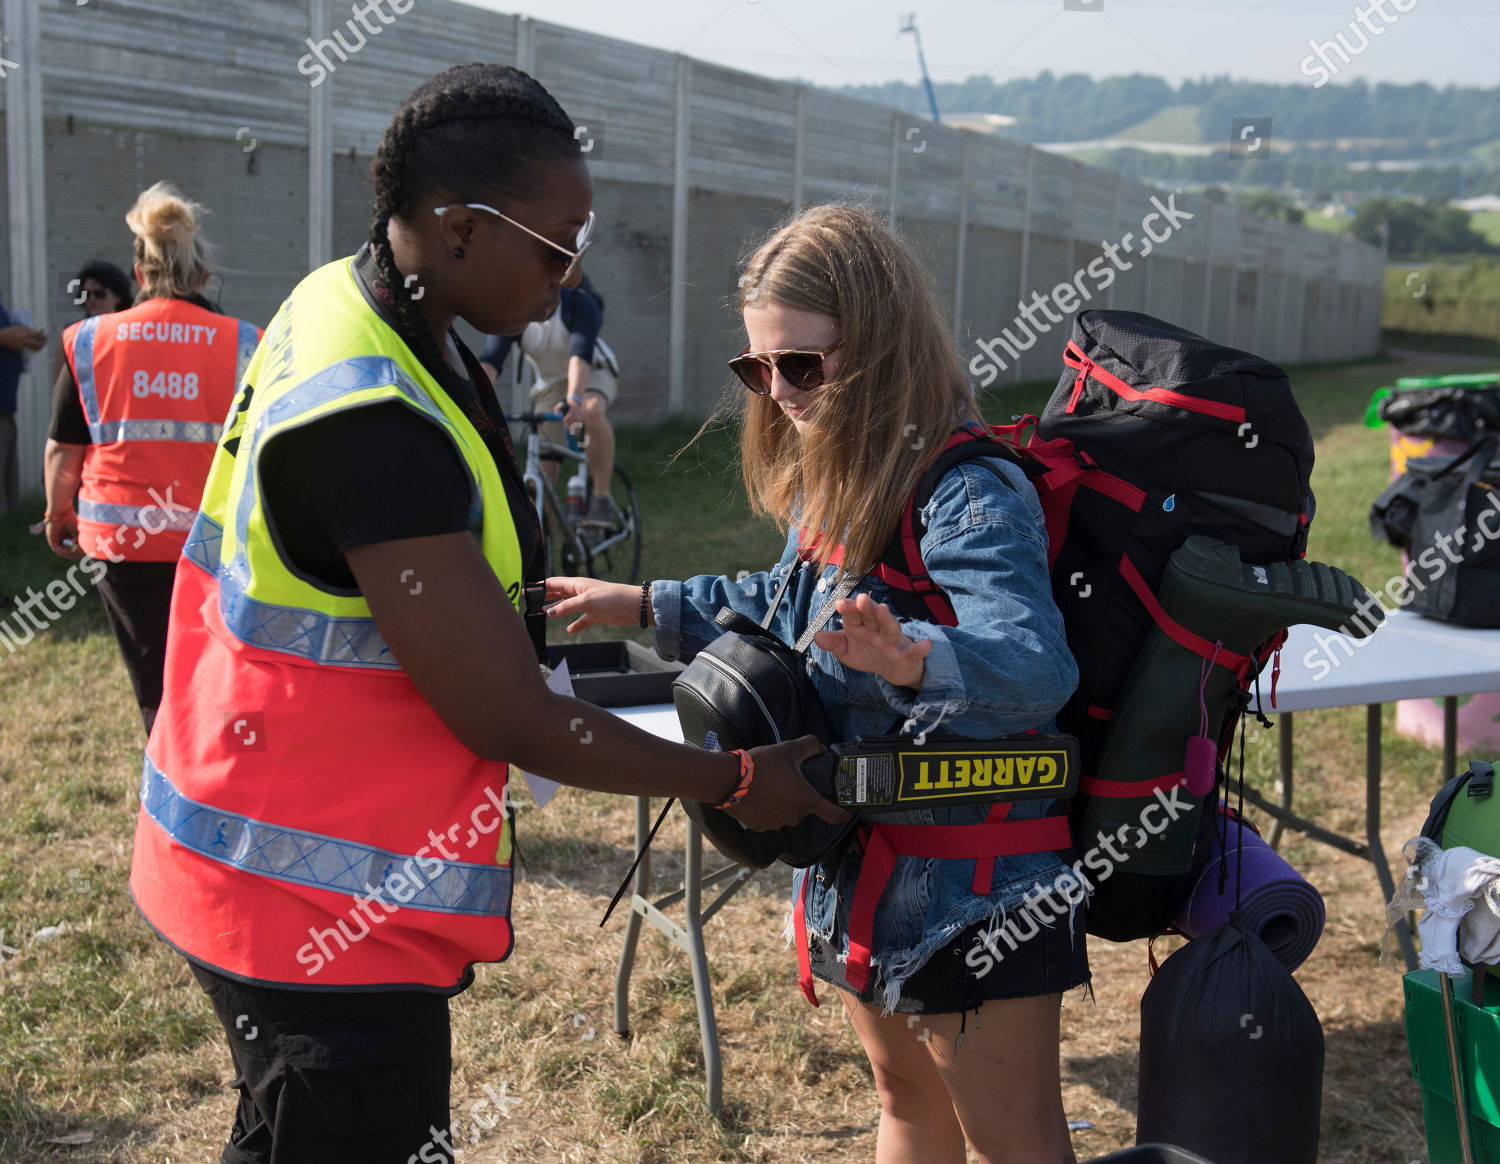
(137, 412)
(323, 831)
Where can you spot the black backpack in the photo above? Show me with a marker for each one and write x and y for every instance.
(1154, 434)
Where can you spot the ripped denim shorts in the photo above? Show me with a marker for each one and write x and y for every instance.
(940, 948)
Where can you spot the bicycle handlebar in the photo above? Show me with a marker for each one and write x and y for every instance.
(534, 418)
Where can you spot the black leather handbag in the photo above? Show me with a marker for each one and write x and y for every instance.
(744, 690)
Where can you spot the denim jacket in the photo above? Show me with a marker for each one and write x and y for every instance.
(1004, 668)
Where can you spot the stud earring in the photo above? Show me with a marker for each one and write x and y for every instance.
(458, 252)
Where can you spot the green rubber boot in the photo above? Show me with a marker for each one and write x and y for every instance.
(1207, 590)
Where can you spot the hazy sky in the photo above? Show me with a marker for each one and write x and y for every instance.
(836, 42)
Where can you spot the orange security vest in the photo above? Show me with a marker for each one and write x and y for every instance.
(306, 817)
(156, 382)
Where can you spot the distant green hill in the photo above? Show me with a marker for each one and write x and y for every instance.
(1317, 221)
(1177, 124)
(1325, 140)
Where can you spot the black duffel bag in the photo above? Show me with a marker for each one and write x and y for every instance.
(1454, 413)
(1442, 506)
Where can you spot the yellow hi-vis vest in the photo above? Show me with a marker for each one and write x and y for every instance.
(306, 818)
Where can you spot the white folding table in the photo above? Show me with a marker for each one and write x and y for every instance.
(1408, 657)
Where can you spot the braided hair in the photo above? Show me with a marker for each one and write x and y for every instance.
(475, 129)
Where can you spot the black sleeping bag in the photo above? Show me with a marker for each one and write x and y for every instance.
(1231, 1060)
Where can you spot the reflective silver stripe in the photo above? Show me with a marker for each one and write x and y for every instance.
(319, 637)
(249, 341)
(203, 542)
(319, 861)
(200, 432)
(83, 364)
(168, 517)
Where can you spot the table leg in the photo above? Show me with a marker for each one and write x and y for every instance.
(1284, 774)
(633, 920)
(702, 988)
(1450, 737)
(1372, 827)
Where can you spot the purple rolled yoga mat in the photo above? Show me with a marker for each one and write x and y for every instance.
(1278, 904)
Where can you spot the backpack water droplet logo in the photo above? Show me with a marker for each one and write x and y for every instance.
(1170, 503)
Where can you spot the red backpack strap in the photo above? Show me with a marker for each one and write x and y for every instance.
(901, 567)
(1060, 470)
(1216, 654)
(909, 573)
(804, 956)
(981, 843)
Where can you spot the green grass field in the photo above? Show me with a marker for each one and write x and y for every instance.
(1457, 297)
(1316, 220)
(108, 1052)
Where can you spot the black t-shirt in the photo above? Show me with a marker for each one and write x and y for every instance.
(361, 476)
(382, 472)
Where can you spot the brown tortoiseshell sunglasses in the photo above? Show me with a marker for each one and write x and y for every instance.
(802, 370)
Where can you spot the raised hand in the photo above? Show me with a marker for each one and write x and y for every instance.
(871, 640)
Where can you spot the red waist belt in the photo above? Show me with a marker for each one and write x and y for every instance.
(981, 843)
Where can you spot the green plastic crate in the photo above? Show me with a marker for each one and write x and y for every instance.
(1478, 1033)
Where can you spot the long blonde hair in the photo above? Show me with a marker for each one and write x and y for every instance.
(898, 392)
(171, 253)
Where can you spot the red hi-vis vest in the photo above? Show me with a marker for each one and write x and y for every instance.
(156, 382)
(307, 819)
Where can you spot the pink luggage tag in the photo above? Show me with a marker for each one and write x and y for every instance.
(1202, 753)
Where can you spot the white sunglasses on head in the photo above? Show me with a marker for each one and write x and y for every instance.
(575, 257)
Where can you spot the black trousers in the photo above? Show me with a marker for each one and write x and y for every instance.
(137, 599)
(327, 1077)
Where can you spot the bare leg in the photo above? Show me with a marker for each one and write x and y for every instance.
(917, 1120)
(1015, 1040)
(600, 450)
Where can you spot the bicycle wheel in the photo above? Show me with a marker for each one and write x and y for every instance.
(613, 547)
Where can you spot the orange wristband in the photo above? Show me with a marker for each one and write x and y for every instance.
(747, 776)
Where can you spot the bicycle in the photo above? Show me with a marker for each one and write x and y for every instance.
(585, 546)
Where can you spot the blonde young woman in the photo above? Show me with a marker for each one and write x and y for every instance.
(136, 412)
(853, 383)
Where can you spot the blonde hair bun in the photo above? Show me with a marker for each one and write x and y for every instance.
(172, 256)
